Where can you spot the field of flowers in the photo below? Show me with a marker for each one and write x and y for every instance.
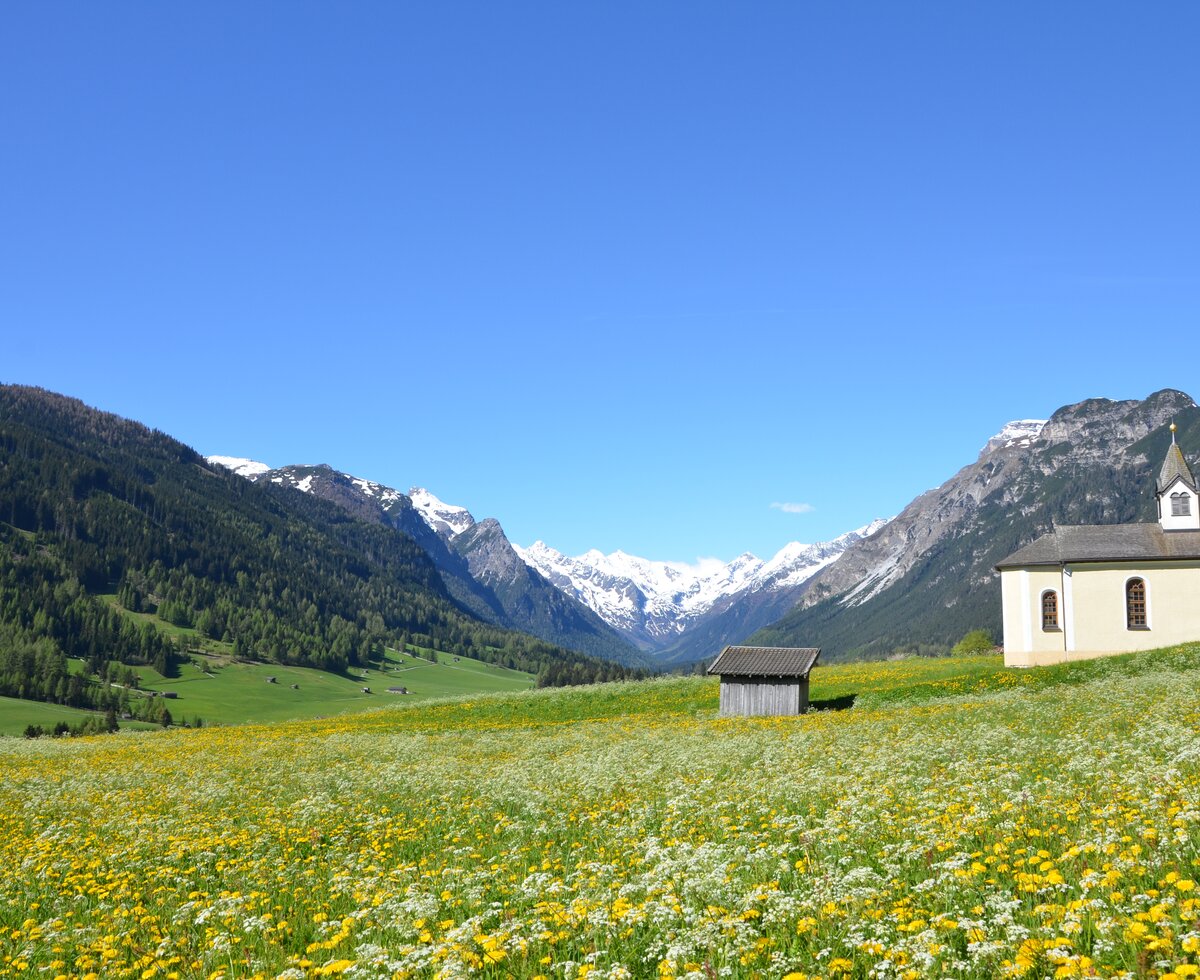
(956, 821)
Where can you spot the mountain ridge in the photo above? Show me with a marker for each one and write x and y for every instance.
(478, 565)
(668, 613)
(927, 577)
(102, 514)
(671, 608)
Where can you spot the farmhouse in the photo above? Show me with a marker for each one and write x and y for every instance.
(764, 680)
(1093, 590)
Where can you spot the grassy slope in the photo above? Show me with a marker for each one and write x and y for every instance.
(224, 691)
(15, 715)
(959, 819)
(232, 692)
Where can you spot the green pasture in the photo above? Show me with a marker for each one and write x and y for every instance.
(228, 692)
(16, 715)
(944, 816)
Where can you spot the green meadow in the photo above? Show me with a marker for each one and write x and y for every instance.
(16, 715)
(939, 817)
(225, 691)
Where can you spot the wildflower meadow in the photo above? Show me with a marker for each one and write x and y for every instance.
(957, 820)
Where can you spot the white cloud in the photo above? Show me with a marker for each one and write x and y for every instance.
(793, 508)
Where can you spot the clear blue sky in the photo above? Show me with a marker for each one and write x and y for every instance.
(621, 275)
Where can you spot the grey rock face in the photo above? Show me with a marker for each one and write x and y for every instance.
(927, 576)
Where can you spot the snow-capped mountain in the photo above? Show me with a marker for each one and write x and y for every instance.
(249, 468)
(657, 604)
(476, 562)
(443, 518)
(1019, 434)
(673, 611)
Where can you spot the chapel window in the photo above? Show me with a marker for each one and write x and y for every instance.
(1049, 610)
(1135, 604)
(1181, 504)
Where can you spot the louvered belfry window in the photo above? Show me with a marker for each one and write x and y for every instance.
(1135, 604)
(1049, 610)
(1181, 505)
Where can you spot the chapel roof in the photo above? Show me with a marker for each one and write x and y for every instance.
(1175, 467)
(1106, 542)
(765, 661)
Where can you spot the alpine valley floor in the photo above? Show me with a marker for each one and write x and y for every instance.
(951, 819)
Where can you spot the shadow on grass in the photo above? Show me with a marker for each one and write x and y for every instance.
(833, 704)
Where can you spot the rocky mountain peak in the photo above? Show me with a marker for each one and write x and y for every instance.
(1019, 434)
(446, 519)
(927, 577)
(1092, 429)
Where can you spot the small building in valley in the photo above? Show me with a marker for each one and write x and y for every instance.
(1090, 590)
(764, 680)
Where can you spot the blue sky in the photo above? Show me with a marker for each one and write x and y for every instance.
(621, 275)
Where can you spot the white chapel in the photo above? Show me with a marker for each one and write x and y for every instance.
(1097, 589)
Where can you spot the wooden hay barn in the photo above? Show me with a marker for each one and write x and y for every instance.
(764, 680)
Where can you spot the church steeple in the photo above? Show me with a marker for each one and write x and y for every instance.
(1177, 492)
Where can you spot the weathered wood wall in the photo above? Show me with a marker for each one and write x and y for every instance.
(749, 696)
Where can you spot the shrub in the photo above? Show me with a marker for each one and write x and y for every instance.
(975, 642)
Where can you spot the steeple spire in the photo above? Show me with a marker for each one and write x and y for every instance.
(1180, 511)
(1174, 467)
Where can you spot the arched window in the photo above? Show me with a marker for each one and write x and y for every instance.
(1049, 610)
(1181, 504)
(1135, 604)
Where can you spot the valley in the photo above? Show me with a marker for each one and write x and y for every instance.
(599, 491)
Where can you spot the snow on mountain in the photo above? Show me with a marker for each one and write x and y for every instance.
(654, 602)
(661, 606)
(249, 468)
(1021, 433)
(301, 477)
(385, 495)
(446, 519)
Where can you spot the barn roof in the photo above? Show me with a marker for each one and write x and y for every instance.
(765, 662)
(1106, 542)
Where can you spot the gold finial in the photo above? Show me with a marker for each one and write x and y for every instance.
(1172, 426)
(1172, 433)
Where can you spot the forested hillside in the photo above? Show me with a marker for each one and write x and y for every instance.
(479, 566)
(92, 503)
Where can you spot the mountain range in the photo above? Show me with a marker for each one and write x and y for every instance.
(681, 612)
(103, 519)
(916, 582)
(478, 565)
(308, 565)
(620, 606)
(928, 576)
